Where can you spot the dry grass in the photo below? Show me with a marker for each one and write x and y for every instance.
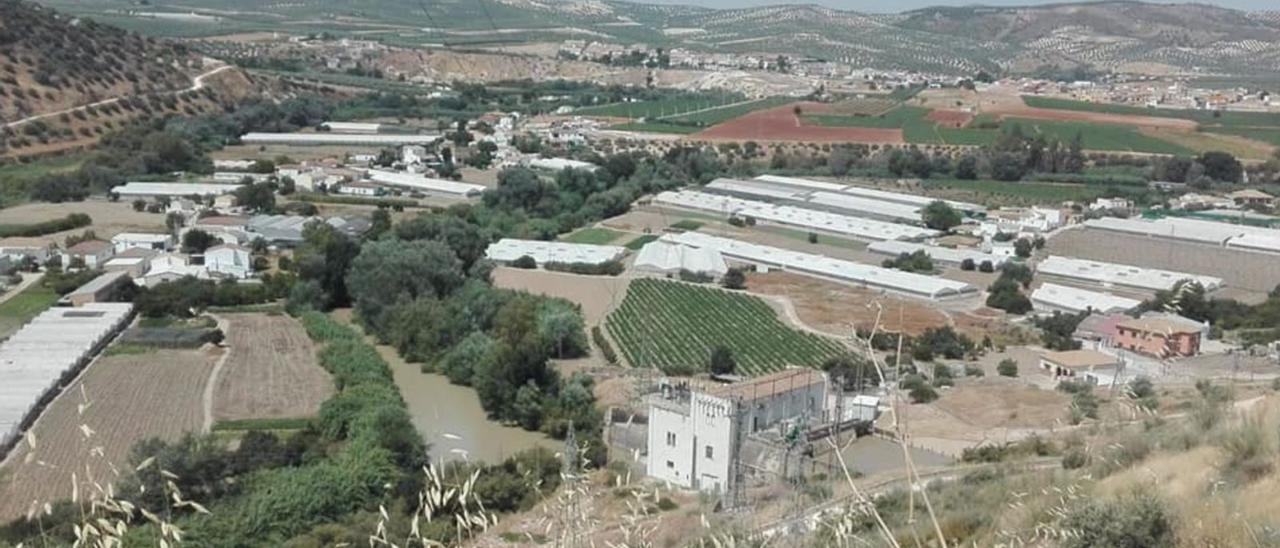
(834, 308)
(271, 371)
(128, 398)
(109, 218)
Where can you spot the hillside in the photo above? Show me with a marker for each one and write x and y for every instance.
(66, 81)
(1149, 38)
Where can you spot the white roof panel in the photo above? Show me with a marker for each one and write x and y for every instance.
(897, 197)
(668, 255)
(173, 189)
(826, 267)
(510, 249)
(1072, 299)
(384, 139)
(866, 206)
(421, 182)
(944, 254)
(857, 227)
(1109, 274)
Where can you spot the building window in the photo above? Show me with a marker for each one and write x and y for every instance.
(711, 452)
(671, 439)
(671, 464)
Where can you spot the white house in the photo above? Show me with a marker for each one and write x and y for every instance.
(691, 432)
(169, 267)
(93, 252)
(229, 260)
(130, 240)
(413, 154)
(360, 189)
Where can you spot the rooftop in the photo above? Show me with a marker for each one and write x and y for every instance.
(1080, 359)
(90, 246)
(1158, 325)
(770, 385)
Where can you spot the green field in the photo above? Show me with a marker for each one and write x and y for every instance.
(666, 325)
(1204, 117)
(665, 116)
(596, 236)
(1099, 136)
(687, 225)
(640, 242)
(21, 308)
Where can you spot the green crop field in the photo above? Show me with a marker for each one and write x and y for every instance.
(659, 108)
(1099, 136)
(20, 308)
(667, 325)
(1022, 192)
(729, 112)
(1204, 117)
(915, 127)
(657, 127)
(640, 242)
(596, 236)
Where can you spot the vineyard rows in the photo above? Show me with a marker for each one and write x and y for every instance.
(668, 325)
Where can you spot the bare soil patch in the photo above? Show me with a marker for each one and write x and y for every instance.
(597, 295)
(109, 218)
(782, 124)
(271, 373)
(1009, 109)
(834, 308)
(125, 399)
(950, 118)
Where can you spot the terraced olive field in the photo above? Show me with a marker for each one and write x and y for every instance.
(668, 325)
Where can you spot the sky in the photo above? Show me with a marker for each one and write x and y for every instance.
(882, 6)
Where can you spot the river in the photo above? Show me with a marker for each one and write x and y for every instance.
(449, 417)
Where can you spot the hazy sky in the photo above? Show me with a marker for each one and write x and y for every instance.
(902, 5)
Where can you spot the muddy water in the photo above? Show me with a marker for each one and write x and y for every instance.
(450, 418)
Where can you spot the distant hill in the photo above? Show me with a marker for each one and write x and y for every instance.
(65, 80)
(1132, 36)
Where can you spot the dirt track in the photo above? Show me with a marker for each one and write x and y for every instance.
(271, 371)
(782, 124)
(127, 399)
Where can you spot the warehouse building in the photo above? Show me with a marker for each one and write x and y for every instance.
(45, 354)
(1052, 297)
(171, 190)
(1088, 365)
(798, 217)
(1243, 237)
(941, 254)
(422, 183)
(508, 250)
(128, 240)
(560, 164)
(99, 289)
(338, 139)
(1112, 275)
(837, 270)
(352, 127)
(882, 195)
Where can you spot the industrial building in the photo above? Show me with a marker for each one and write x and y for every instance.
(507, 250)
(426, 184)
(129, 240)
(883, 195)
(1089, 365)
(153, 190)
(667, 256)
(560, 164)
(45, 354)
(1111, 274)
(798, 217)
(695, 435)
(99, 289)
(942, 254)
(837, 270)
(338, 139)
(1052, 297)
(835, 202)
(1243, 237)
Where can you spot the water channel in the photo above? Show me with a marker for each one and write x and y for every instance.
(449, 417)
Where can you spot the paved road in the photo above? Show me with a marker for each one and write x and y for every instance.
(197, 84)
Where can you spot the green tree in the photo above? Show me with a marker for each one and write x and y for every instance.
(734, 279)
(390, 271)
(257, 197)
(939, 215)
(197, 241)
(722, 361)
(1007, 368)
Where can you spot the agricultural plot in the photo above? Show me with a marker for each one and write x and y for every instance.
(915, 124)
(660, 108)
(594, 236)
(669, 325)
(1012, 193)
(640, 242)
(1203, 117)
(656, 127)
(271, 372)
(121, 399)
(723, 114)
(1099, 136)
(18, 308)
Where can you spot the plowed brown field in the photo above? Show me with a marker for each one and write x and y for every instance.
(121, 400)
(782, 124)
(271, 373)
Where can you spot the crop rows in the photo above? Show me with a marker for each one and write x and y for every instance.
(669, 325)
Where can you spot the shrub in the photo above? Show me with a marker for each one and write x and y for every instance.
(666, 505)
(610, 268)
(923, 394)
(986, 266)
(70, 222)
(973, 371)
(1007, 368)
(602, 343)
(526, 262)
(1074, 459)
(734, 279)
(967, 265)
(1134, 521)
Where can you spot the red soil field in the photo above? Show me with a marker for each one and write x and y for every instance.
(781, 124)
(950, 118)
